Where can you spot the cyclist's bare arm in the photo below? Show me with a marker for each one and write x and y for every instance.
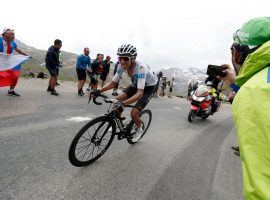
(134, 98)
(121, 97)
(108, 86)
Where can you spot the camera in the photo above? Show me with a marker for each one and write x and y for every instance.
(215, 70)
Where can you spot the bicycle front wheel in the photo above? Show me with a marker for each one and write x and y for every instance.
(146, 118)
(92, 141)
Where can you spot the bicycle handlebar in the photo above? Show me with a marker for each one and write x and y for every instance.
(105, 98)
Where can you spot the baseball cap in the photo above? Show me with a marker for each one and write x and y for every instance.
(254, 32)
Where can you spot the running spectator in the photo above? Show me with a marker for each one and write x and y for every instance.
(7, 46)
(117, 84)
(106, 70)
(93, 75)
(53, 64)
(83, 64)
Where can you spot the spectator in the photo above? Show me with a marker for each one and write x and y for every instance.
(189, 90)
(116, 85)
(106, 70)
(170, 89)
(83, 64)
(155, 94)
(163, 86)
(250, 58)
(95, 69)
(195, 86)
(53, 64)
(7, 46)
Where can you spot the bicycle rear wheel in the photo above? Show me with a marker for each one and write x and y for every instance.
(91, 142)
(146, 118)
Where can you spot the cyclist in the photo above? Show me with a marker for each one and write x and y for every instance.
(141, 89)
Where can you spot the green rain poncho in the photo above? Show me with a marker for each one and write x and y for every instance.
(251, 110)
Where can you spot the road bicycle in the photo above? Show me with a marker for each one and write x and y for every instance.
(93, 140)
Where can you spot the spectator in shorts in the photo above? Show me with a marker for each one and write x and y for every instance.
(105, 71)
(82, 65)
(53, 64)
(116, 86)
(160, 74)
(8, 46)
(170, 89)
(96, 70)
(163, 86)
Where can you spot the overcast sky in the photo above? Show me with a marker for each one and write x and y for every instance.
(170, 33)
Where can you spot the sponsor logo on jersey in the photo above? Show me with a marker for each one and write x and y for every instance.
(140, 76)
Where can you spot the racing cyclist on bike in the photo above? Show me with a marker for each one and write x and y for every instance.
(141, 89)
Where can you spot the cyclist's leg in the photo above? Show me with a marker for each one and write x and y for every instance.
(127, 93)
(135, 115)
(140, 105)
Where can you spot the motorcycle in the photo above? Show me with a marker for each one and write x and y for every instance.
(201, 103)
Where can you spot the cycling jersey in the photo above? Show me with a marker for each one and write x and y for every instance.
(141, 78)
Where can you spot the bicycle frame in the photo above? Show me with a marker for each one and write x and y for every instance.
(113, 118)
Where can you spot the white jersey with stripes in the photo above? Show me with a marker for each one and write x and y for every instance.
(141, 78)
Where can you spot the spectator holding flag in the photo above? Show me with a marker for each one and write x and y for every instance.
(9, 76)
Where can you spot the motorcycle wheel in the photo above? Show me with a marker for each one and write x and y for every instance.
(191, 115)
(205, 117)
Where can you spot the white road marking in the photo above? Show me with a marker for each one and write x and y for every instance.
(79, 119)
(177, 108)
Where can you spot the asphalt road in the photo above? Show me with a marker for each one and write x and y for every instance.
(175, 160)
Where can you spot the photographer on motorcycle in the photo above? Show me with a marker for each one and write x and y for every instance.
(213, 82)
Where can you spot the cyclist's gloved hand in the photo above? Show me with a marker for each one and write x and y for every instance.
(95, 93)
(119, 106)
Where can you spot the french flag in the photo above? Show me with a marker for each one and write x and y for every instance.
(10, 66)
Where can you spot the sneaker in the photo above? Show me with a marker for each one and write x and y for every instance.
(53, 92)
(88, 89)
(80, 93)
(137, 136)
(49, 89)
(13, 93)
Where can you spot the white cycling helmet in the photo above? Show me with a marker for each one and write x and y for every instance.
(127, 50)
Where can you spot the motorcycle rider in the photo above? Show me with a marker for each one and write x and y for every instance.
(213, 82)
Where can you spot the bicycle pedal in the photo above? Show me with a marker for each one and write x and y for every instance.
(120, 136)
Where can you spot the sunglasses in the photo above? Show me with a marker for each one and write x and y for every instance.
(9, 30)
(237, 37)
(124, 58)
